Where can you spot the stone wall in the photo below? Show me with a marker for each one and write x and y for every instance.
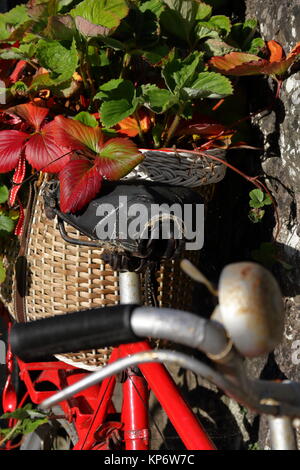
(281, 162)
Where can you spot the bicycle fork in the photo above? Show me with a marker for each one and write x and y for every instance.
(161, 383)
(135, 387)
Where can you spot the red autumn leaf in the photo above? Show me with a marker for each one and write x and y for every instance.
(80, 181)
(130, 126)
(15, 75)
(11, 146)
(33, 115)
(81, 178)
(118, 157)
(240, 63)
(78, 136)
(202, 125)
(42, 150)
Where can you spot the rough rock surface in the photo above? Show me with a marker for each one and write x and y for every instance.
(281, 161)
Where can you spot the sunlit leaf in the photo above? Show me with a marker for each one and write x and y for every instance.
(6, 224)
(131, 127)
(3, 193)
(209, 85)
(44, 153)
(107, 13)
(80, 182)
(88, 29)
(118, 157)
(120, 101)
(240, 63)
(86, 118)
(33, 115)
(11, 146)
(76, 135)
(157, 99)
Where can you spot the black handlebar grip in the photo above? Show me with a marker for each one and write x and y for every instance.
(83, 330)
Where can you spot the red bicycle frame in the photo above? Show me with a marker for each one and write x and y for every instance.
(91, 410)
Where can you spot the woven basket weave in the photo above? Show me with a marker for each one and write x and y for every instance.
(180, 168)
(62, 278)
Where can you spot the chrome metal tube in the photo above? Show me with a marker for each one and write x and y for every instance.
(114, 368)
(181, 327)
(283, 435)
(130, 290)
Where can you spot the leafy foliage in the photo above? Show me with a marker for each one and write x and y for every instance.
(28, 420)
(258, 200)
(141, 69)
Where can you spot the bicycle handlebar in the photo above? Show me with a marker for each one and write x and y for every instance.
(110, 326)
(86, 329)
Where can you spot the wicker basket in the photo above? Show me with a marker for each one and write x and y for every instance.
(62, 278)
(180, 168)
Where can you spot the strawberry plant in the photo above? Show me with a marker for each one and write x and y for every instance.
(89, 83)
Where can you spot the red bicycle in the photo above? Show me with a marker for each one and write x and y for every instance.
(249, 321)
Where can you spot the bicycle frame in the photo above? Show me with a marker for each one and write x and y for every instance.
(91, 411)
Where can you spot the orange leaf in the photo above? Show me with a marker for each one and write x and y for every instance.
(240, 63)
(276, 51)
(130, 127)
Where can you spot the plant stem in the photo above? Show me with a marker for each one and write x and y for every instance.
(141, 135)
(10, 434)
(174, 125)
(125, 64)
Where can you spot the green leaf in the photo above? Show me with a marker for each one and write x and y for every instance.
(61, 61)
(24, 52)
(13, 18)
(4, 193)
(19, 413)
(114, 111)
(215, 47)
(179, 18)
(107, 13)
(204, 30)
(60, 28)
(16, 16)
(256, 198)
(267, 200)
(155, 6)
(187, 9)
(29, 426)
(157, 54)
(243, 33)
(87, 119)
(221, 23)
(6, 224)
(256, 46)
(96, 57)
(2, 272)
(157, 99)
(181, 73)
(120, 101)
(204, 12)
(209, 85)
(174, 24)
(256, 215)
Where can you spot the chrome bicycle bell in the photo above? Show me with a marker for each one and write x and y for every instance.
(251, 308)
